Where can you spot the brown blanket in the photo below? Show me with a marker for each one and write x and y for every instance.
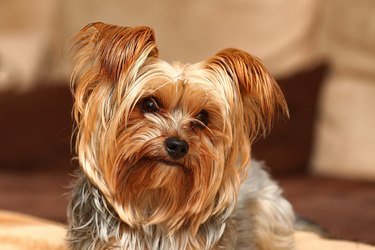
(23, 232)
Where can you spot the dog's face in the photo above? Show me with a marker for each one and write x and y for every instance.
(166, 144)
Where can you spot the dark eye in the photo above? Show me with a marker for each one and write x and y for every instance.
(149, 105)
(202, 117)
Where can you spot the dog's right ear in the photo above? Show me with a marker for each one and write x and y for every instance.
(112, 50)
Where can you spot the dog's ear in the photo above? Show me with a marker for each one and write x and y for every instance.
(114, 49)
(261, 96)
(107, 57)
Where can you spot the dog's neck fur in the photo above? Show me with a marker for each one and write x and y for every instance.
(95, 225)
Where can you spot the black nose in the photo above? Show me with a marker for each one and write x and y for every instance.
(176, 148)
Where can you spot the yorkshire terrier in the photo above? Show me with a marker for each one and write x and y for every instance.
(164, 150)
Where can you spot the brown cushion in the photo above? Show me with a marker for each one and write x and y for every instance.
(287, 149)
(345, 209)
(35, 128)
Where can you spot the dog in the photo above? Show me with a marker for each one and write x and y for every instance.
(164, 150)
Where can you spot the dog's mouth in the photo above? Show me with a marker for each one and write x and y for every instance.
(150, 161)
(170, 163)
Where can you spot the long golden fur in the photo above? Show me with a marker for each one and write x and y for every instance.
(189, 202)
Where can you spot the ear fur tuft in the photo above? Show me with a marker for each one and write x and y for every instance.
(117, 48)
(260, 94)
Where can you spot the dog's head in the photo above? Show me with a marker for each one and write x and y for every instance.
(166, 144)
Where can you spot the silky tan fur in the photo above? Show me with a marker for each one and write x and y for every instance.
(126, 196)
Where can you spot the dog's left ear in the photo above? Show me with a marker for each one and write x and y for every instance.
(261, 96)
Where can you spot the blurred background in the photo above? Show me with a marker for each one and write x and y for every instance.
(321, 52)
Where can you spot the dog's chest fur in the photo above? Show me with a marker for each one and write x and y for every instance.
(261, 218)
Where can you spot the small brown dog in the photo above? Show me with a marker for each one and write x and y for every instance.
(165, 148)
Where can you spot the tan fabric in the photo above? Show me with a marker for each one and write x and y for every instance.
(22, 232)
(311, 241)
(345, 137)
(345, 145)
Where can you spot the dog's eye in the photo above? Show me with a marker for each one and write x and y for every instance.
(202, 117)
(149, 105)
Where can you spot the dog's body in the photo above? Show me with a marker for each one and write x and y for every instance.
(165, 148)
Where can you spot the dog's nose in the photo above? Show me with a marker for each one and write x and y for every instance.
(176, 147)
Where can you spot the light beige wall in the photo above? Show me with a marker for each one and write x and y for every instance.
(28, 40)
(280, 32)
(345, 131)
